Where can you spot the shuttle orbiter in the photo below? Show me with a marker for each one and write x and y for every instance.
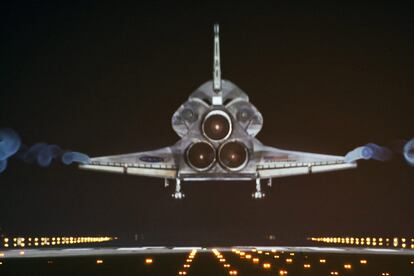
(217, 126)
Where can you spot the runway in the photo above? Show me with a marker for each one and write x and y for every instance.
(240, 260)
(79, 252)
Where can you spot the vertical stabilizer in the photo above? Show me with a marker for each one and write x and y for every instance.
(216, 64)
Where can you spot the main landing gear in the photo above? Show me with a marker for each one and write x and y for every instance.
(259, 194)
(178, 194)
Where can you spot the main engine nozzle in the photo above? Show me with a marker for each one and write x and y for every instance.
(217, 125)
(233, 155)
(201, 156)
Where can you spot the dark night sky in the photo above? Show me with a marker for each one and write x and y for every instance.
(105, 79)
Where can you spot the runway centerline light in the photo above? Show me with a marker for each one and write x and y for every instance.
(266, 266)
(347, 266)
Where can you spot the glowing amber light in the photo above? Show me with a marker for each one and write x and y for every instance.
(148, 261)
(334, 273)
(322, 261)
(266, 266)
(363, 261)
(306, 265)
(289, 261)
(283, 272)
(182, 273)
(99, 261)
(233, 272)
(347, 266)
(255, 260)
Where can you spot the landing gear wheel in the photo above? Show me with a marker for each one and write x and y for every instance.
(178, 194)
(258, 194)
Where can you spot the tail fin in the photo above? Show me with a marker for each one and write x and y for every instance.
(216, 64)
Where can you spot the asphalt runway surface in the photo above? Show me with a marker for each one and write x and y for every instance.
(208, 261)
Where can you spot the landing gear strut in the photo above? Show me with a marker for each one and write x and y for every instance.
(258, 194)
(178, 194)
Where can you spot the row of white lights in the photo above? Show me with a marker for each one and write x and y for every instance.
(369, 241)
(22, 242)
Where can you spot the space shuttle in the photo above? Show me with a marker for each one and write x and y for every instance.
(217, 126)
